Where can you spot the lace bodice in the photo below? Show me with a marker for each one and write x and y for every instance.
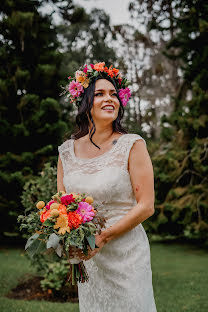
(105, 177)
(120, 277)
(117, 156)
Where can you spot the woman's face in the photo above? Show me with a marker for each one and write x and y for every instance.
(106, 104)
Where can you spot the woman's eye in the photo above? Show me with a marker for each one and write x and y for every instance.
(98, 94)
(115, 94)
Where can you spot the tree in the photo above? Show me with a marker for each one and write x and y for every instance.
(37, 56)
(29, 90)
(181, 165)
(155, 77)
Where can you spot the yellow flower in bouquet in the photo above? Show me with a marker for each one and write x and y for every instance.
(54, 213)
(40, 204)
(62, 224)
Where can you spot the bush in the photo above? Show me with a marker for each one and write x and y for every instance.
(38, 188)
(49, 266)
(55, 276)
(181, 192)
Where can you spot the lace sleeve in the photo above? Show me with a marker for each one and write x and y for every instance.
(62, 149)
(131, 139)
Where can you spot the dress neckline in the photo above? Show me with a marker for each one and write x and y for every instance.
(94, 158)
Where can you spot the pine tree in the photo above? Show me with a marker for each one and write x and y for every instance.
(31, 126)
(181, 165)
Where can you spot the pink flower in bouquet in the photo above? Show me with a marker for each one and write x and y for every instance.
(75, 88)
(124, 95)
(85, 211)
(67, 199)
(49, 204)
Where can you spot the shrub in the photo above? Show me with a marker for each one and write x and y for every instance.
(49, 266)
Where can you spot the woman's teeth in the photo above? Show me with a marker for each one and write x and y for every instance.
(108, 108)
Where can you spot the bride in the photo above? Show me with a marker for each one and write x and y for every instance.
(104, 161)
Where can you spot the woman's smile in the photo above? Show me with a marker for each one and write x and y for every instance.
(109, 108)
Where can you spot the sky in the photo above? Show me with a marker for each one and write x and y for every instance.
(117, 9)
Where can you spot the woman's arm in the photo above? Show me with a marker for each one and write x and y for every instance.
(60, 175)
(142, 179)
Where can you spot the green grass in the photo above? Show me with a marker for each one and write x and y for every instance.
(180, 279)
(15, 265)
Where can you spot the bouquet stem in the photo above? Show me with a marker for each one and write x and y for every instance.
(78, 273)
(73, 277)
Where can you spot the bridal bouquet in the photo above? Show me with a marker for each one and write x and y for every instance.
(67, 225)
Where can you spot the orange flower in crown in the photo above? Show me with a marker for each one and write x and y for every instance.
(99, 66)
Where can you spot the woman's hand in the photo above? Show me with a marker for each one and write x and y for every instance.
(98, 242)
(78, 253)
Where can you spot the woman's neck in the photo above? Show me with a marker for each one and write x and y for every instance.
(102, 135)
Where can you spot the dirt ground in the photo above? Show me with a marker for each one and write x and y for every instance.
(30, 289)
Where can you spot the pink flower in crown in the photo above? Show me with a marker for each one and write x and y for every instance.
(85, 69)
(67, 199)
(49, 204)
(75, 88)
(124, 95)
(85, 211)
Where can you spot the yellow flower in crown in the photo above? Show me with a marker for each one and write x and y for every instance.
(81, 77)
(62, 224)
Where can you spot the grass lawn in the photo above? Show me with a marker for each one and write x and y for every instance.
(180, 279)
(13, 266)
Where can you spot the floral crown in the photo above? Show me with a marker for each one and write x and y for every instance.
(87, 73)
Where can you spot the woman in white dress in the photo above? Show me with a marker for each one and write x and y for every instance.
(103, 161)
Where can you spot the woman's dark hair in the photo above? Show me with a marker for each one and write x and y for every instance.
(85, 108)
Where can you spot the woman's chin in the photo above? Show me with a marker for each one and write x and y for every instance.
(109, 115)
(107, 118)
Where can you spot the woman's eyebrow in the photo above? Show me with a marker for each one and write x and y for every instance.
(112, 90)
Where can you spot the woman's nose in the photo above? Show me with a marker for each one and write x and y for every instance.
(108, 97)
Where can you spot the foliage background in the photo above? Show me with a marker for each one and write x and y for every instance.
(163, 51)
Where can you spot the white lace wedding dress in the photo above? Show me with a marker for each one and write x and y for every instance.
(120, 276)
